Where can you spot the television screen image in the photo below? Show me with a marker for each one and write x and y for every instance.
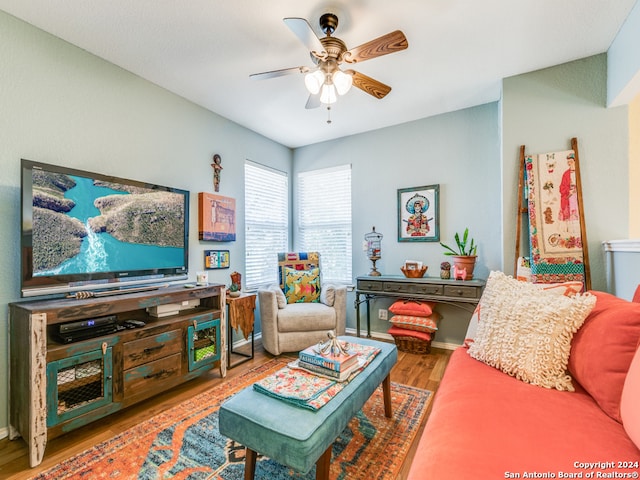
(84, 229)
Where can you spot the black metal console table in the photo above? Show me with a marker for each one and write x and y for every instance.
(460, 293)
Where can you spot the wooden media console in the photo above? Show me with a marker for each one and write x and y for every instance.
(55, 387)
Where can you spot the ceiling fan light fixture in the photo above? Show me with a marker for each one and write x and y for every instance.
(313, 81)
(328, 95)
(342, 82)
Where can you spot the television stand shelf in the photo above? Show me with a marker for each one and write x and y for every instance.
(56, 387)
(115, 291)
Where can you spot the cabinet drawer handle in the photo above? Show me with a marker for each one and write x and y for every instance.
(153, 349)
(160, 374)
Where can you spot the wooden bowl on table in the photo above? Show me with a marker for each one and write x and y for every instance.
(414, 272)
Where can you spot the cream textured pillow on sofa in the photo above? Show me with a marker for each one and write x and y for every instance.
(526, 331)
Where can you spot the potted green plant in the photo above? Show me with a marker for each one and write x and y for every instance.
(464, 258)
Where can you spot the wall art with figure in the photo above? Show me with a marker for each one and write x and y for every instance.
(554, 217)
(418, 214)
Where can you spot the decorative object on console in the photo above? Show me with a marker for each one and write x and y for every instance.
(413, 269)
(217, 168)
(214, 259)
(374, 250)
(464, 258)
(445, 270)
(459, 273)
(418, 214)
(216, 217)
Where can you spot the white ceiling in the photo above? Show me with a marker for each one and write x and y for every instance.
(204, 51)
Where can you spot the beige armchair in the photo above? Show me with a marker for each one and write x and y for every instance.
(299, 312)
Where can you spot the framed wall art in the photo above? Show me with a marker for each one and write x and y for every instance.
(214, 259)
(419, 214)
(216, 218)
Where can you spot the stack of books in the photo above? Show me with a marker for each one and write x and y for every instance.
(337, 367)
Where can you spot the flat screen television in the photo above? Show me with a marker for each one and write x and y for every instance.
(88, 231)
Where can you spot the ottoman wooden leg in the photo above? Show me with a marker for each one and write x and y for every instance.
(249, 464)
(386, 391)
(323, 464)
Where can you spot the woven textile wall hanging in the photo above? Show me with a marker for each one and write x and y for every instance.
(557, 236)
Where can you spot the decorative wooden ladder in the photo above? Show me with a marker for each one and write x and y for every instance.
(523, 212)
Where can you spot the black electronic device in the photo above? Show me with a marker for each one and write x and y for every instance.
(87, 324)
(89, 328)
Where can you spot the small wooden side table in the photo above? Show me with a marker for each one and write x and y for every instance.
(241, 314)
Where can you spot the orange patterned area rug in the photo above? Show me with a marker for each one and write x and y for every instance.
(184, 442)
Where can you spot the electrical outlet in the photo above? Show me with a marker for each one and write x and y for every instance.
(383, 314)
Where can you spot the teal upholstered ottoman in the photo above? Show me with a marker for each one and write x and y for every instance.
(297, 437)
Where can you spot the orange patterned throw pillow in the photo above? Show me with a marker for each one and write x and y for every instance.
(412, 307)
(419, 324)
(403, 332)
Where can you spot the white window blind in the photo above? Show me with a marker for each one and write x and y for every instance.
(266, 195)
(323, 200)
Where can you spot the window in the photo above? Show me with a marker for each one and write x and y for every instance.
(266, 196)
(323, 199)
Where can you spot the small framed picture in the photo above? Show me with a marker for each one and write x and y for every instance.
(214, 259)
(418, 214)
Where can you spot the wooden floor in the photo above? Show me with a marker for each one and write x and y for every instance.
(422, 371)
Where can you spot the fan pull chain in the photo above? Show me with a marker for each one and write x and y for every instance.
(328, 113)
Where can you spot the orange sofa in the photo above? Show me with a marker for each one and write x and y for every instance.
(487, 425)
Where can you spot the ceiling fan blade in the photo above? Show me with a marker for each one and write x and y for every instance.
(313, 101)
(301, 28)
(368, 84)
(279, 73)
(389, 43)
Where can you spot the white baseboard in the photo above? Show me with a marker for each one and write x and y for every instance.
(242, 341)
(4, 433)
(445, 346)
(386, 336)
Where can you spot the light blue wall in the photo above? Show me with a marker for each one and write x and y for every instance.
(623, 67)
(543, 110)
(61, 105)
(460, 151)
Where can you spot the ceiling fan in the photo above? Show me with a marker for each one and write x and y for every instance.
(326, 79)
